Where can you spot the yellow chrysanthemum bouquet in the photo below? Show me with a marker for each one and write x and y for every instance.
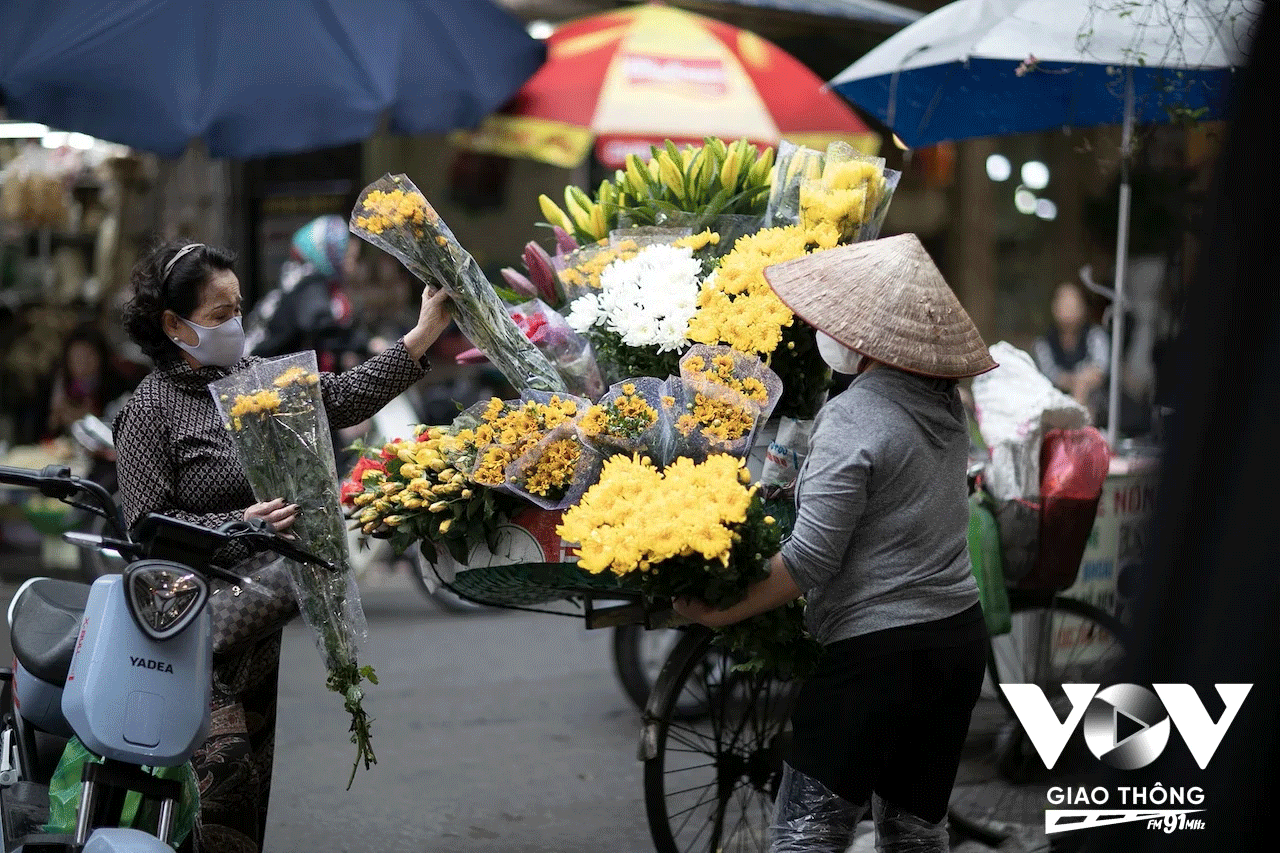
(274, 411)
(534, 450)
(689, 530)
(630, 418)
(393, 215)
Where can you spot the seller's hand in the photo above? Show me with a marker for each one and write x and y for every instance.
(433, 319)
(700, 612)
(276, 513)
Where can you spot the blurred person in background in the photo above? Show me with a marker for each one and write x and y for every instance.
(310, 309)
(1076, 353)
(85, 382)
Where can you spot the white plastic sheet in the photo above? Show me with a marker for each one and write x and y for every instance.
(1015, 405)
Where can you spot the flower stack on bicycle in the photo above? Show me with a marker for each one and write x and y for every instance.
(651, 354)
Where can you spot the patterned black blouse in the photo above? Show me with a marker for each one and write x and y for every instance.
(174, 456)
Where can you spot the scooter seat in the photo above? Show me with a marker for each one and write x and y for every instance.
(43, 625)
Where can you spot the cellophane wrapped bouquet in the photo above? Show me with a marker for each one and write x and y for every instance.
(275, 415)
(690, 530)
(393, 215)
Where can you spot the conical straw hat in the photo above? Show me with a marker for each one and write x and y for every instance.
(886, 300)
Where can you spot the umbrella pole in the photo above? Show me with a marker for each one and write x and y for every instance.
(1122, 257)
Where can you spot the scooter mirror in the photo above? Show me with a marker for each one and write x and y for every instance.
(164, 598)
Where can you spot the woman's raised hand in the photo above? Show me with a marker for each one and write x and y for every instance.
(433, 319)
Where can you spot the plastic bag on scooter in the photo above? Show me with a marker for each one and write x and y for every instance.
(64, 796)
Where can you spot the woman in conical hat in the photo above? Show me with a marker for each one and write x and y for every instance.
(879, 550)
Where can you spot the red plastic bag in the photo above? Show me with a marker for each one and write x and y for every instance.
(1073, 467)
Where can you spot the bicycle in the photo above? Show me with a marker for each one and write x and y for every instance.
(710, 783)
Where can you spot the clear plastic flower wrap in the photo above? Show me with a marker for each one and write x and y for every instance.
(395, 216)
(507, 429)
(839, 200)
(739, 371)
(571, 353)
(709, 418)
(556, 471)
(876, 214)
(630, 418)
(275, 415)
(579, 270)
(794, 164)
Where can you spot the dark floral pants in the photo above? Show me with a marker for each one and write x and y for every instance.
(233, 767)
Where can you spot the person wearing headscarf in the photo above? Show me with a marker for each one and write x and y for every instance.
(310, 310)
(879, 550)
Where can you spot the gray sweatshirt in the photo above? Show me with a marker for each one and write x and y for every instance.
(880, 538)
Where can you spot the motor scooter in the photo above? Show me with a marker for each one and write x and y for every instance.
(125, 665)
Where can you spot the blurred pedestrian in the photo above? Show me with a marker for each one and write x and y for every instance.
(85, 382)
(311, 309)
(879, 551)
(1075, 354)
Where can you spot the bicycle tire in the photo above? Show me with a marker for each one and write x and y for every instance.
(744, 734)
(1009, 800)
(448, 600)
(638, 655)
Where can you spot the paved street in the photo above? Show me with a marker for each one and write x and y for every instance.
(496, 732)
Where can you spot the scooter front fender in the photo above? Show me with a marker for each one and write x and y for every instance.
(130, 697)
(119, 839)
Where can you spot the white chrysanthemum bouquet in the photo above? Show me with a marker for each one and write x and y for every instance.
(638, 320)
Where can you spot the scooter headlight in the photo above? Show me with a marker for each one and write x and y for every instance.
(164, 598)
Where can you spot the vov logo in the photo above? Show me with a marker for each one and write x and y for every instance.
(1125, 725)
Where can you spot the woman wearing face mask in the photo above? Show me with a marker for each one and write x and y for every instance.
(175, 457)
(879, 550)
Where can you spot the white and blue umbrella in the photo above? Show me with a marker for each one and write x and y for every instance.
(993, 67)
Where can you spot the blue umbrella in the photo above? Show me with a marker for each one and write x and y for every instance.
(993, 67)
(258, 77)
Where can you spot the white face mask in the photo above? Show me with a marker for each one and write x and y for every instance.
(219, 346)
(838, 357)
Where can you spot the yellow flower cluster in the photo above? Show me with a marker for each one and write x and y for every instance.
(426, 480)
(736, 306)
(262, 402)
(843, 199)
(721, 372)
(626, 416)
(295, 376)
(551, 475)
(718, 418)
(493, 464)
(586, 273)
(636, 516)
(506, 431)
(698, 241)
(383, 210)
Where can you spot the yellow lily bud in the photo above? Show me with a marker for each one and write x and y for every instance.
(439, 506)
(445, 525)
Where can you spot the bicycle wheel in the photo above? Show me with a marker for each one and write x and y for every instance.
(425, 577)
(709, 784)
(1001, 790)
(638, 656)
